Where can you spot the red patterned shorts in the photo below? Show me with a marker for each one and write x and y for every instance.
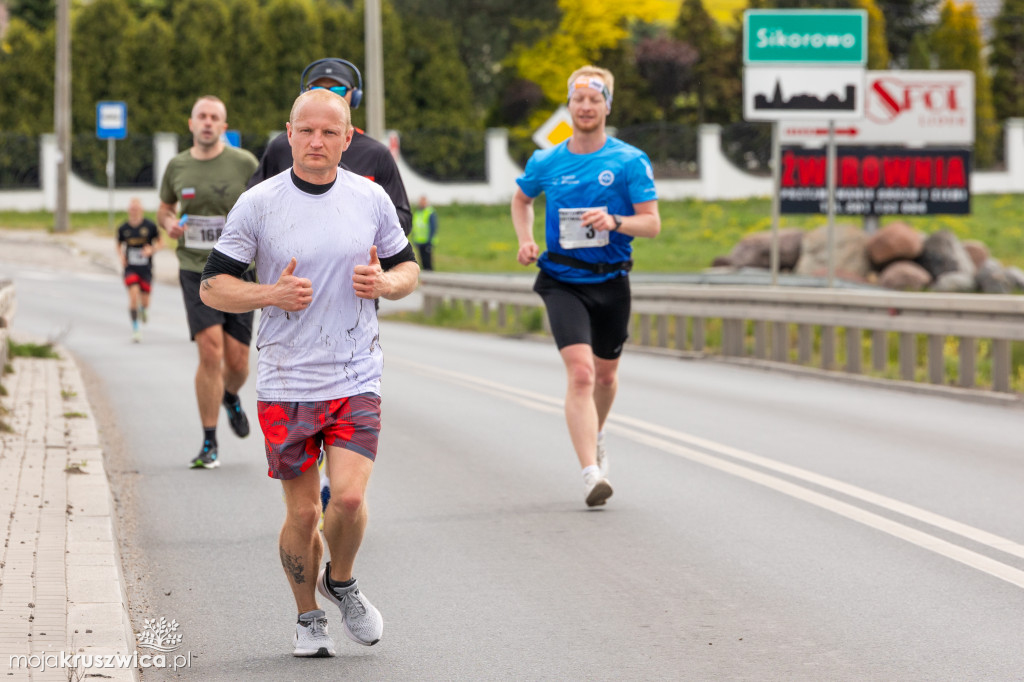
(131, 278)
(294, 432)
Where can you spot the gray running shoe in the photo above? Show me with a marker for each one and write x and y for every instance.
(597, 490)
(206, 459)
(311, 638)
(602, 456)
(237, 419)
(362, 620)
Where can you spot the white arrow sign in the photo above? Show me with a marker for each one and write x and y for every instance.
(902, 107)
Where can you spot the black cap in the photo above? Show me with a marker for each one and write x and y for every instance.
(336, 71)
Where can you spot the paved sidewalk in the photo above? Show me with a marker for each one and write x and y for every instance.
(61, 588)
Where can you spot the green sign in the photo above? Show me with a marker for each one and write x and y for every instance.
(814, 38)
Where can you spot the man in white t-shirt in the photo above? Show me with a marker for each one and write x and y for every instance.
(331, 242)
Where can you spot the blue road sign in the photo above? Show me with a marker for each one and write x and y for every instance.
(111, 120)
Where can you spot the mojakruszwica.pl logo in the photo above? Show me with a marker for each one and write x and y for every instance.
(158, 645)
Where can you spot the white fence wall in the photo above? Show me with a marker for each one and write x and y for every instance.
(719, 178)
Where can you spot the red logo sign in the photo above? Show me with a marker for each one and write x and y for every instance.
(891, 96)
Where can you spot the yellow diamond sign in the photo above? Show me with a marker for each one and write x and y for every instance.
(555, 130)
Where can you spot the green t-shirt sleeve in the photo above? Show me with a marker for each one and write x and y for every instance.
(167, 194)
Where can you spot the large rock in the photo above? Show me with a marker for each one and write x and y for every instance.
(943, 253)
(955, 282)
(992, 278)
(1016, 277)
(978, 252)
(904, 275)
(896, 241)
(755, 250)
(851, 258)
(752, 251)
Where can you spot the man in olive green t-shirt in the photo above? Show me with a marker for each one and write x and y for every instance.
(206, 180)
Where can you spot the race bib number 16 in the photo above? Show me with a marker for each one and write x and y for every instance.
(203, 231)
(573, 234)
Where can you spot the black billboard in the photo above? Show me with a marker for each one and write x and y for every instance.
(877, 181)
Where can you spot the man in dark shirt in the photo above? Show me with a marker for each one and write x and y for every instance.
(137, 241)
(365, 156)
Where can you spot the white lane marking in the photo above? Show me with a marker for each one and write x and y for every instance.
(641, 431)
(39, 275)
(58, 276)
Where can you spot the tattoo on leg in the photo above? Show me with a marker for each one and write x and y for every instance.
(293, 566)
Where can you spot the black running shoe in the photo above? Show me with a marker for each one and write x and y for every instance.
(207, 458)
(236, 417)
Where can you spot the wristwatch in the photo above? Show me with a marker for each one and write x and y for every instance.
(618, 222)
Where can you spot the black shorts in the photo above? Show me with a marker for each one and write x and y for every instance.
(200, 316)
(594, 314)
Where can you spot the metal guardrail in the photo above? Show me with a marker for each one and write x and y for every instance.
(8, 305)
(792, 325)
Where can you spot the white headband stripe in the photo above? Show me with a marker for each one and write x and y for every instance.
(596, 84)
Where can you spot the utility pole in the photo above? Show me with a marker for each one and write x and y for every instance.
(374, 82)
(62, 113)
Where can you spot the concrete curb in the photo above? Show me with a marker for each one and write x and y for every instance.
(62, 591)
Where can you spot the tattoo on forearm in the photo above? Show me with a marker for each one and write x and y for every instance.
(293, 566)
(207, 283)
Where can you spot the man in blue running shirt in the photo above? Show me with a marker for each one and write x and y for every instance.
(600, 195)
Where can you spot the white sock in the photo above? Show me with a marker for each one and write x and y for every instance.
(591, 471)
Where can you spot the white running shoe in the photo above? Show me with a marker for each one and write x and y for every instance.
(602, 456)
(363, 622)
(596, 489)
(311, 638)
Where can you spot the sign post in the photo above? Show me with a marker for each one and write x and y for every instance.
(111, 125)
(800, 64)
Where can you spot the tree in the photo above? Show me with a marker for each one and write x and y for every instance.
(878, 49)
(486, 33)
(956, 43)
(99, 70)
(587, 29)
(444, 117)
(197, 54)
(666, 64)
(905, 20)
(1007, 60)
(717, 72)
(26, 77)
(398, 111)
(144, 45)
(251, 71)
(518, 100)
(38, 14)
(292, 38)
(920, 55)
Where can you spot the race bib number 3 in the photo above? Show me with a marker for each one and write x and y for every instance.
(573, 234)
(203, 231)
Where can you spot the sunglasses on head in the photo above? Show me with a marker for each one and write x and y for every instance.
(339, 90)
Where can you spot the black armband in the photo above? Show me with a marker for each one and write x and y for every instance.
(402, 256)
(219, 264)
